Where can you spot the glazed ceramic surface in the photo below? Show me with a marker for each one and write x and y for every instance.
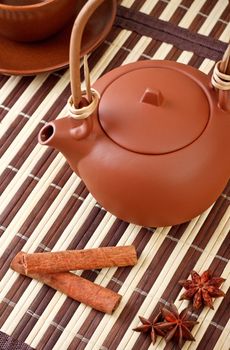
(36, 21)
(149, 160)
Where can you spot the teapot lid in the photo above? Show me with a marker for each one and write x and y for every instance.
(154, 110)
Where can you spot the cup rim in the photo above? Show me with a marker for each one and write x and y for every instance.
(25, 7)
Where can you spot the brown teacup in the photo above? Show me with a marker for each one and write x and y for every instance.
(32, 20)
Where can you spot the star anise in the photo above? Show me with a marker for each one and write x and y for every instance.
(177, 326)
(202, 288)
(152, 327)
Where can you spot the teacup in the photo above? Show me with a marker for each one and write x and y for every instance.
(32, 20)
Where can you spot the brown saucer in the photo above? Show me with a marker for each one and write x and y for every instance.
(17, 58)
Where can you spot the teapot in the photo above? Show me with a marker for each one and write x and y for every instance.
(150, 139)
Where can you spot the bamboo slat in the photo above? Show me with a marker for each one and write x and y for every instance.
(45, 207)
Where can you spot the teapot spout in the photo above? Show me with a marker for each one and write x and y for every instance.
(54, 134)
(59, 135)
(68, 136)
(47, 135)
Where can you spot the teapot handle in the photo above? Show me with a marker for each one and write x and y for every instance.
(74, 102)
(221, 80)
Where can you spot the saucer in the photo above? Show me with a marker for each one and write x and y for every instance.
(18, 58)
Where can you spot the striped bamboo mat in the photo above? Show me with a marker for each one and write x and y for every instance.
(44, 206)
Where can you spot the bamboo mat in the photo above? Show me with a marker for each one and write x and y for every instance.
(44, 206)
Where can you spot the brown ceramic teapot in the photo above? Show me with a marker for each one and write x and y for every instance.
(151, 141)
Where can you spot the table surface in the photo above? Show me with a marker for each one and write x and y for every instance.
(44, 206)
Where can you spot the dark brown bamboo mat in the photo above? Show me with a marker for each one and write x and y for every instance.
(8, 343)
(44, 206)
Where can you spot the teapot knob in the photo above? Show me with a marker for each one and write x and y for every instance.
(152, 96)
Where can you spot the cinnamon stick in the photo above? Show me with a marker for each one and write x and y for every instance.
(87, 259)
(75, 287)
